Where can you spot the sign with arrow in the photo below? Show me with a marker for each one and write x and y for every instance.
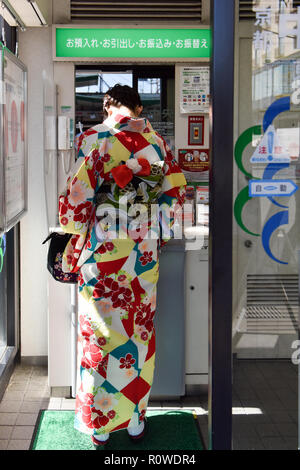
(272, 188)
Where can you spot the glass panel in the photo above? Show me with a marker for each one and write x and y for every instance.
(266, 228)
(90, 89)
(3, 296)
(159, 106)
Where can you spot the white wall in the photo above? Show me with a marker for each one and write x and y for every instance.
(35, 52)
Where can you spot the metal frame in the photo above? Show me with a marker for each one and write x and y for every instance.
(220, 225)
(12, 353)
(8, 55)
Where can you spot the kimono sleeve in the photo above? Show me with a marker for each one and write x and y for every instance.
(77, 201)
(174, 185)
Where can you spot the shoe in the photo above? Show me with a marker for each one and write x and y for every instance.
(99, 443)
(139, 437)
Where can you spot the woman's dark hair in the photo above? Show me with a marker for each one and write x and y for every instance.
(121, 95)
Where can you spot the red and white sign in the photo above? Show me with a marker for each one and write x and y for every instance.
(194, 160)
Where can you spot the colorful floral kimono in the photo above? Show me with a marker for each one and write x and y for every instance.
(117, 276)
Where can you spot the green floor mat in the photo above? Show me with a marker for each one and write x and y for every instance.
(166, 430)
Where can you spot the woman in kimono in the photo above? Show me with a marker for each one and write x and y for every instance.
(124, 162)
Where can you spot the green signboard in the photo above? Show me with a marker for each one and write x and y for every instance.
(133, 43)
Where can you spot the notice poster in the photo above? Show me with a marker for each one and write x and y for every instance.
(202, 203)
(202, 194)
(14, 130)
(194, 163)
(194, 90)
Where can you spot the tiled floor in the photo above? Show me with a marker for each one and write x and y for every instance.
(264, 406)
(265, 399)
(28, 392)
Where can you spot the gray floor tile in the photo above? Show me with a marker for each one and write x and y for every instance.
(291, 443)
(8, 418)
(37, 380)
(33, 395)
(244, 430)
(20, 377)
(22, 432)
(287, 430)
(267, 430)
(22, 382)
(247, 393)
(30, 406)
(281, 416)
(5, 432)
(14, 395)
(26, 419)
(248, 443)
(18, 444)
(10, 406)
(259, 419)
(3, 444)
(37, 372)
(37, 387)
(293, 415)
(271, 405)
(274, 443)
(250, 403)
(17, 387)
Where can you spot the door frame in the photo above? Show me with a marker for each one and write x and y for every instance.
(220, 225)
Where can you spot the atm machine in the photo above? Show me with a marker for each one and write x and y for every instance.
(182, 317)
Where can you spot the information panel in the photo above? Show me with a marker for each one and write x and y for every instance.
(14, 145)
(131, 43)
(194, 89)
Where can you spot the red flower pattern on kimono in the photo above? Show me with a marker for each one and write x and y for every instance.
(111, 414)
(85, 327)
(101, 341)
(100, 421)
(121, 298)
(146, 257)
(92, 355)
(102, 366)
(144, 317)
(83, 406)
(106, 157)
(127, 361)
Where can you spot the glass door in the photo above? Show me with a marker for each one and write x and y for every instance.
(266, 226)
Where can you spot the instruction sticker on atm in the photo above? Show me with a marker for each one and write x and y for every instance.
(194, 159)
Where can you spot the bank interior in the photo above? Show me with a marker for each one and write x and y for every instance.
(65, 89)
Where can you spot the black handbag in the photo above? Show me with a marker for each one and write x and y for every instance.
(58, 243)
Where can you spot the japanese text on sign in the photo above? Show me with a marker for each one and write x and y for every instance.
(141, 43)
(83, 42)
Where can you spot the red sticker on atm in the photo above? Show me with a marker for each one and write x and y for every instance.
(193, 159)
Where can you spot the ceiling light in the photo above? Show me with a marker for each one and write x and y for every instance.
(12, 13)
(38, 12)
